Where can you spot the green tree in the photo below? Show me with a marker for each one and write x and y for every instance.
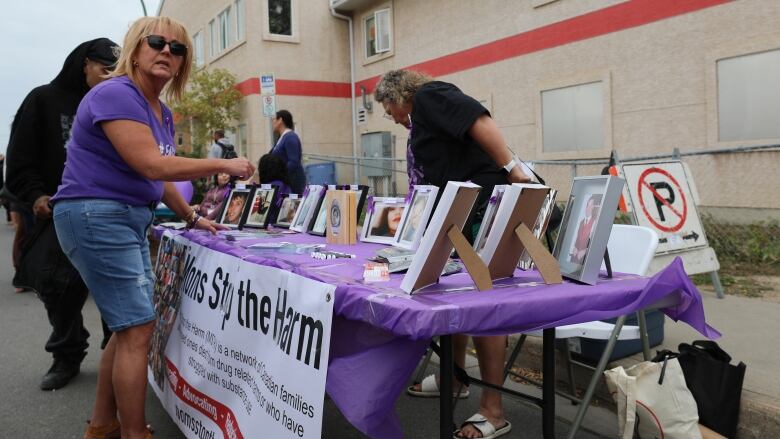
(210, 102)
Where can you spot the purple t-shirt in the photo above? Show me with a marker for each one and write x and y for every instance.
(94, 168)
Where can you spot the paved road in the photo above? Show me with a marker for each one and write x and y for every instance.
(27, 412)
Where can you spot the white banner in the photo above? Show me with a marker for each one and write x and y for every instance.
(240, 350)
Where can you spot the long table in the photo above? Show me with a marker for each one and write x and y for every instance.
(379, 333)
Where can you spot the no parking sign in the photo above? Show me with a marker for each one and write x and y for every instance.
(662, 197)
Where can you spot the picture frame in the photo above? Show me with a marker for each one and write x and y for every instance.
(453, 209)
(260, 209)
(383, 219)
(521, 204)
(318, 224)
(586, 225)
(416, 215)
(234, 206)
(540, 227)
(287, 210)
(361, 194)
(490, 215)
(311, 199)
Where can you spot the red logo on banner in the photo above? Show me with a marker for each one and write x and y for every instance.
(209, 407)
(673, 205)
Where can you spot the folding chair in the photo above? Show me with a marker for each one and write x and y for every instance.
(631, 248)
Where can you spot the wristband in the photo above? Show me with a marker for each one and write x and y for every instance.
(509, 166)
(191, 219)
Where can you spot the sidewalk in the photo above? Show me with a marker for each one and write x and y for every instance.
(750, 331)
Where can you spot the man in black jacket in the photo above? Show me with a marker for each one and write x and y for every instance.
(36, 159)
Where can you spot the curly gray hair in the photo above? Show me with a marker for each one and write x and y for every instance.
(399, 86)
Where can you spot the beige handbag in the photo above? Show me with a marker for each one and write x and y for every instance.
(649, 409)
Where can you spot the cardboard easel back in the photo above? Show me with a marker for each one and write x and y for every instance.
(545, 262)
(510, 248)
(475, 266)
(442, 247)
(345, 233)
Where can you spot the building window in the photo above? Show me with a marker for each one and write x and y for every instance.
(214, 37)
(197, 42)
(240, 20)
(281, 20)
(378, 32)
(749, 97)
(225, 36)
(280, 17)
(573, 118)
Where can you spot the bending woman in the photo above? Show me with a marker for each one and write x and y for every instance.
(120, 164)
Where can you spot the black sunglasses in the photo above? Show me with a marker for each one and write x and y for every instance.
(157, 42)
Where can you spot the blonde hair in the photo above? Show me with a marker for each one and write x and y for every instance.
(143, 27)
(399, 86)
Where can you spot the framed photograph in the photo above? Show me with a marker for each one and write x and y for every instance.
(312, 196)
(260, 208)
(490, 216)
(539, 228)
(453, 209)
(234, 206)
(319, 225)
(521, 204)
(586, 225)
(383, 218)
(361, 193)
(416, 214)
(287, 211)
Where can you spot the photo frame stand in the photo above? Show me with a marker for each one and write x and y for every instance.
(607, 264)
(545, 262)
(475, 266)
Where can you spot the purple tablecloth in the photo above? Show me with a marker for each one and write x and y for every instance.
(379, 332)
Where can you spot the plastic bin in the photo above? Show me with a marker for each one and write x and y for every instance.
(591, 350)
(321, 173)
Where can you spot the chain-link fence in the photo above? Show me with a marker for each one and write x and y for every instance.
(736, 190)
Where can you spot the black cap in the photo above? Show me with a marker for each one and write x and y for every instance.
(104, 51)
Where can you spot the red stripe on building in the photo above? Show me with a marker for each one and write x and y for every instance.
(291, 87)
(615, 18)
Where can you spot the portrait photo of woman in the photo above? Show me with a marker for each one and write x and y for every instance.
(386, 220)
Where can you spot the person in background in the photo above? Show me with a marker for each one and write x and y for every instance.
(36, 159)
(215, 152)
(121, 162)
(288, 148)
(446, 123)
(272, 170)
(214, 197)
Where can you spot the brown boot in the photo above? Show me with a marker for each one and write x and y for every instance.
(108, 431)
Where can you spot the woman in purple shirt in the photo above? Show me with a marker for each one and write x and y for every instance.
(120, 164)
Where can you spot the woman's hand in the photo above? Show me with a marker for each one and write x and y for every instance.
(239, 167)
(210, 226)
(518, 176)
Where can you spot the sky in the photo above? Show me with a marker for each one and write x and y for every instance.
(37, 35)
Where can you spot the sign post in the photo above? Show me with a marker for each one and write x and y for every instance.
(268, 102)
(663, 198)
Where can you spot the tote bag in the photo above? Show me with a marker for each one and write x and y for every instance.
(653, 401)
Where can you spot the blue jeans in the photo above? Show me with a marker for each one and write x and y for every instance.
(106, 241)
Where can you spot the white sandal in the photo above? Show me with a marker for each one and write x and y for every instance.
(429, 388)
(484, 426)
